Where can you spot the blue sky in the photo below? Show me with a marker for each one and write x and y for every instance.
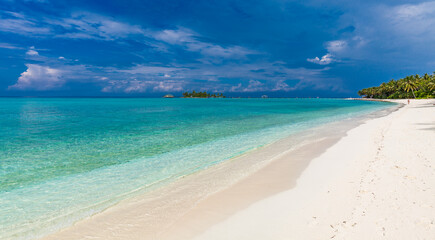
(281, 48)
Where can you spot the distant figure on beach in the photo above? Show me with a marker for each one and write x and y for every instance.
(408, 101)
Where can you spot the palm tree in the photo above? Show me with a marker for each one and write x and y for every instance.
(431, 85)
(390, 86)
(409, 84)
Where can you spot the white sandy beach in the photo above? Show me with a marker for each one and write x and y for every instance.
(376, 182)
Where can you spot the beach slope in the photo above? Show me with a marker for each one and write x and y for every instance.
(378, 182)
(371, 179)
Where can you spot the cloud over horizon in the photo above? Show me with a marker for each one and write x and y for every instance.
(232, 47)
(38, 77)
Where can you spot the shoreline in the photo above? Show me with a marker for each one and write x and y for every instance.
(377, 182)
(148, 216)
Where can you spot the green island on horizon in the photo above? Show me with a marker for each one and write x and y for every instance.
(195, 94)
(413, 86)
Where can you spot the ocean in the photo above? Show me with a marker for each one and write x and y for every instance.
(64, 159)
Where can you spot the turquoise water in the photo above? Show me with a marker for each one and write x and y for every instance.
(62, 159)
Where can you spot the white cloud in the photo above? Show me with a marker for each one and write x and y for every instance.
(32, 52)
(253, 86)
(266, 76)
(79, 26)
(86, 25)
(135, 86)
(325, 60)
(252, 77)
(189, 40)
(336, 46)
(139, 86)
(219, 51)
(387, 33)
(259, 71)
(412, 21)
(39, 78)
(9, 46)
(236, 88)
(257, 86)
(282, 86)
(55, 72)
(149, 70)
(52, 73)
(168, 86)
(17, 23)
(61, 58)
(179, 36)
(413, 11)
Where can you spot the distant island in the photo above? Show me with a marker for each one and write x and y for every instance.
(168, 96)
(413, 86)
(204, 94)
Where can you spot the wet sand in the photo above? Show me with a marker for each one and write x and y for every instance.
(261, 195)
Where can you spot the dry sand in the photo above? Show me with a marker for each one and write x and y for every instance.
(376, 182)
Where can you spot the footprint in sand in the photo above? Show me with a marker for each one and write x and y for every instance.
(425, 222)
(313, 222)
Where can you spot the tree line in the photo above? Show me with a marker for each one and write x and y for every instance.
(413, 86)
(204, 94)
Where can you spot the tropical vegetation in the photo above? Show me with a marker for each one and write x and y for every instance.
(204, 94)
(414, 86)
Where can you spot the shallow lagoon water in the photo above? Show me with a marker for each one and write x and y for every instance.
(63, 159)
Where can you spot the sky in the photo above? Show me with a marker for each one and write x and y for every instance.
(282, 48)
